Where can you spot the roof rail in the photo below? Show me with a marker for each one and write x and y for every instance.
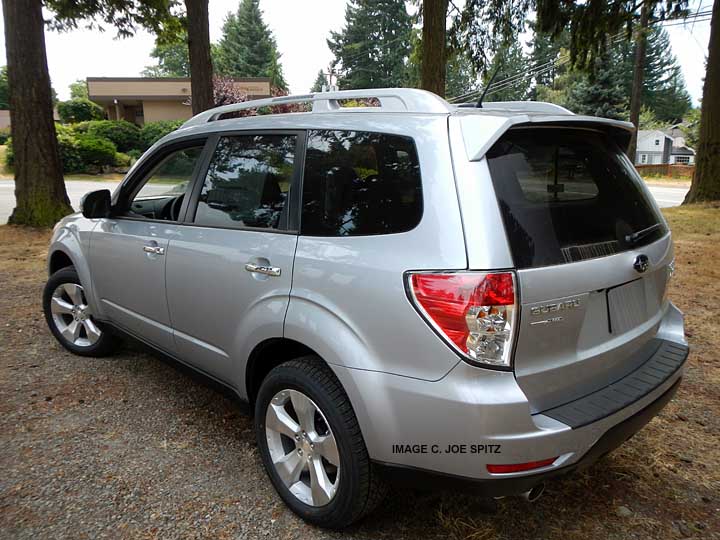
(391, 100)
(521, 106)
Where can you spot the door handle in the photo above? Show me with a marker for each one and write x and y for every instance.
(260, 269)
(157, 250)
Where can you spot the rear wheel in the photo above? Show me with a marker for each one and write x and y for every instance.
(311, 445)
(70, 319)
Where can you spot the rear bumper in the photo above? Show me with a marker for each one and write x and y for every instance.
(497, 487)
(455, 427)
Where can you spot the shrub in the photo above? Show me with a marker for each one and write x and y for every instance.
(4, 135)
(123, 134)
(79, 110)
(134, 154)
(154, 131)
(96, 150)
(9, 155)
(122, 160)
(70, 155)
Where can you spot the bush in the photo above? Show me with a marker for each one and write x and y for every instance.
(122, 160)
(9, 155)
(154, 131)
(96, 151)
(79, 110)
(123, 134)
(4, 135)
(134, 154)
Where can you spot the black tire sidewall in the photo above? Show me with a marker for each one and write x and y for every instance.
(102, 346)
(339, 511)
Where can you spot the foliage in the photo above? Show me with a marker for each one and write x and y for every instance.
(320, 81)
(247, 47)
(173, 58)
(371, 51)
(691, 128)
(96, 150)
(509, 61)
(124, 135)
(599, 94)
(79, 110)
(648, 119)
(225, 92)
(4, 135)
(4, 90)
(134, 154)
(122, 160)
(78, 90)
(154, 131)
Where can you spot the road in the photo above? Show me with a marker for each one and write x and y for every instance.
(665, 196)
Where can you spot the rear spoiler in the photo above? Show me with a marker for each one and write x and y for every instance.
(481, 131)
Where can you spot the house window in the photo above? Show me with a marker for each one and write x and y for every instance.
(657, 142)
(643, 158)
(684, 160)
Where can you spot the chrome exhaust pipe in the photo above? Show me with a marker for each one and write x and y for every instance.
(534, 494)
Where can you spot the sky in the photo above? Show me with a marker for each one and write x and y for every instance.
(301, 28)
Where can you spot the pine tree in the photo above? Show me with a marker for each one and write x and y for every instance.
(601, 93)
(320, 81)
(509, 61)
(247, 47)
(372, 49)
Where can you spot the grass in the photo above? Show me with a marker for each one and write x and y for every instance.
(667, 476)
(667, 181)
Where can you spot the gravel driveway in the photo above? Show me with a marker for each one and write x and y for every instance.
(134, 447)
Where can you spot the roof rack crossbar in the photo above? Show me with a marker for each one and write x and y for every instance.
(391, 100)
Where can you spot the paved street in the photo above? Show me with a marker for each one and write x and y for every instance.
(665, 196)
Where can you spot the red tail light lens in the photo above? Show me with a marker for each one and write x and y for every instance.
(474, 311)
(519, 467)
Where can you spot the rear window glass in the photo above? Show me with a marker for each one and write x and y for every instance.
(359, 183)
(567, 195)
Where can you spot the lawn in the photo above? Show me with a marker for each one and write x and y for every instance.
(137, 447)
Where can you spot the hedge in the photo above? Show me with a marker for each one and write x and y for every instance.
(124, 135)
(78, 110)
(154, 131)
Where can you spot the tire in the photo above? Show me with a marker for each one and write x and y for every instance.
(357, 487)
(66, 309)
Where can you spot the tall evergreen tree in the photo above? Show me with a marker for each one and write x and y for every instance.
(509, 61)
(601, 93)
(248, 48)
(320, 81)
(372, 49)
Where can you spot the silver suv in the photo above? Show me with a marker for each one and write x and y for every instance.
(408, 291)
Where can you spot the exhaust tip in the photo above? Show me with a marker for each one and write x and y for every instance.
(534, 494)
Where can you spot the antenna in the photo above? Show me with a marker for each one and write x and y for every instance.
(479, 103)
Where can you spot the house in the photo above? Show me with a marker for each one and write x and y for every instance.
(654, 147)
(144, 99)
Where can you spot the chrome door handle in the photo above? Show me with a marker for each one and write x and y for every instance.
(260, 269)
(157, 250)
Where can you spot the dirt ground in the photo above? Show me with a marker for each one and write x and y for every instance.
(134, 447)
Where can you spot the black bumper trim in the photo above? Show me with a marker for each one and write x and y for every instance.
(658, 368)
(414, 477)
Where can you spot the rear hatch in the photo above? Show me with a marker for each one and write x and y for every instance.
(592, 254)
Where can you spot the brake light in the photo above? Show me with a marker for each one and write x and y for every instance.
(519, 467)
(473, 311)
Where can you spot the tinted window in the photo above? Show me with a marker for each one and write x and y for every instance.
(163, 189)
(359, 183)
(247, 182)
(568, 195)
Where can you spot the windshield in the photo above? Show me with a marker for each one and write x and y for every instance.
(568, 195)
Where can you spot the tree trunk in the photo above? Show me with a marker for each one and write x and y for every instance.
(432, 70)
(706, 180)
(40, 196)
(201, 70)
(638, 77)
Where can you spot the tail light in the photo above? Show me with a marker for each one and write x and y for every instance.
(473, 311)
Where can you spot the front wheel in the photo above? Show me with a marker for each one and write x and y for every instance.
(70, 319)
(311, 445)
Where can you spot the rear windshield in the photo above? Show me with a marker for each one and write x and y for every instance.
(567, 195)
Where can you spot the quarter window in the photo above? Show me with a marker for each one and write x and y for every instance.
(359, 183)
(247, 182)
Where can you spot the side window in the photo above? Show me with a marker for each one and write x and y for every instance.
(162, 191)
(247, 182)
(359, 183)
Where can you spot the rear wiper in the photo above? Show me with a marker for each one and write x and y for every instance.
(639, 235)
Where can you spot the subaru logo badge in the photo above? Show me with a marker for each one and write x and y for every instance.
(642, 263)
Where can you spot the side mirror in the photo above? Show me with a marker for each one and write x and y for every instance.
(96, 204)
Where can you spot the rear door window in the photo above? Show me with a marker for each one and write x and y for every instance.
(568, 195)
(360, 183)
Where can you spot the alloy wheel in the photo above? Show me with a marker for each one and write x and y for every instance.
(72, 316)
(302, 447)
